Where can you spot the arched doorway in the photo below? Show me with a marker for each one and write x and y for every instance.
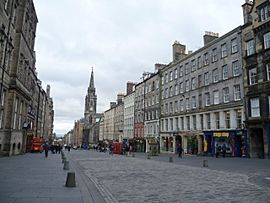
(257, 143)
(178, 142)
(192, 145)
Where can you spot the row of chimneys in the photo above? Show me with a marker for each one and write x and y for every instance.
(179, 50)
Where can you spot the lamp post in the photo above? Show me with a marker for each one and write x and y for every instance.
(25, 128)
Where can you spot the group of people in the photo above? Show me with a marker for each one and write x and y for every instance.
(54, 148)
(221, 149)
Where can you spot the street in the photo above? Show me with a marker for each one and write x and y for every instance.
(101, 177)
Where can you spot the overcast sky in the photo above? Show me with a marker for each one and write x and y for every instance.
(118, 38)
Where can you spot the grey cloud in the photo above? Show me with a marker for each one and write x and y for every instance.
(120, 39)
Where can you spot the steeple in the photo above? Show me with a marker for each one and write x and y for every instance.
(91, 85)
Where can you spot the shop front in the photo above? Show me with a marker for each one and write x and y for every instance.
(167, 144)
(152, 146)
(235, 141)
(139, 144)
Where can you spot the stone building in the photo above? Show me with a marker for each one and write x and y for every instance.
(129, 113)
(151, 110)
(202, 97)
(22, 98)
(90, 113)
(78, 132)
(139, 141)
(109, 124)
(256, 63)
(119, 118)
(49, 117)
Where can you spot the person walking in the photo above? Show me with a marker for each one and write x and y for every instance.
(46, 149)
(180, 151)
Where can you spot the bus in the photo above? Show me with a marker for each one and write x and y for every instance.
(37, 144)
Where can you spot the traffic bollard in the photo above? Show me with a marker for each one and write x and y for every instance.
(66, 165)
(70, 182)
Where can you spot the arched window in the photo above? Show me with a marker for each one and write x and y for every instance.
(0, 147)
(19, 145)
(13, 147)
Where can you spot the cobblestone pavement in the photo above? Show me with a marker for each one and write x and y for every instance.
(129, 179)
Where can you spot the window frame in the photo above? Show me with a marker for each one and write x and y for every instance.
(237, 94)
(266, 40)
(252, 74)
(250, 47)
(226, 95)
(234, 46)
(255, 107)
(224, 51)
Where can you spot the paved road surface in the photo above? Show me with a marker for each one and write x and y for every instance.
(128, 179)
(103, 178)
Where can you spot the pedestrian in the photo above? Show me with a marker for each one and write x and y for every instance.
(218, 149)
(224, 148)
(180, 151)
(68, 148)
(46, 149)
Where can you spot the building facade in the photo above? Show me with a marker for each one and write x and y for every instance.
(119, 118)
(256, 62)
(128, 116)
(139, 141)
(151, 112)
(109, 124)
(202, 97)
(23, 101)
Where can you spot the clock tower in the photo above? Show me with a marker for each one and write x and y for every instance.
(90, 111)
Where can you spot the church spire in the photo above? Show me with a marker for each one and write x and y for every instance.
(91, 85)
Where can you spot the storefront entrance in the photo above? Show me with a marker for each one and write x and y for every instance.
(234, 140)
(257, 143)
(192, 145)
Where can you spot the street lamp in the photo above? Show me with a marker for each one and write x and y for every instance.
(25, 127)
